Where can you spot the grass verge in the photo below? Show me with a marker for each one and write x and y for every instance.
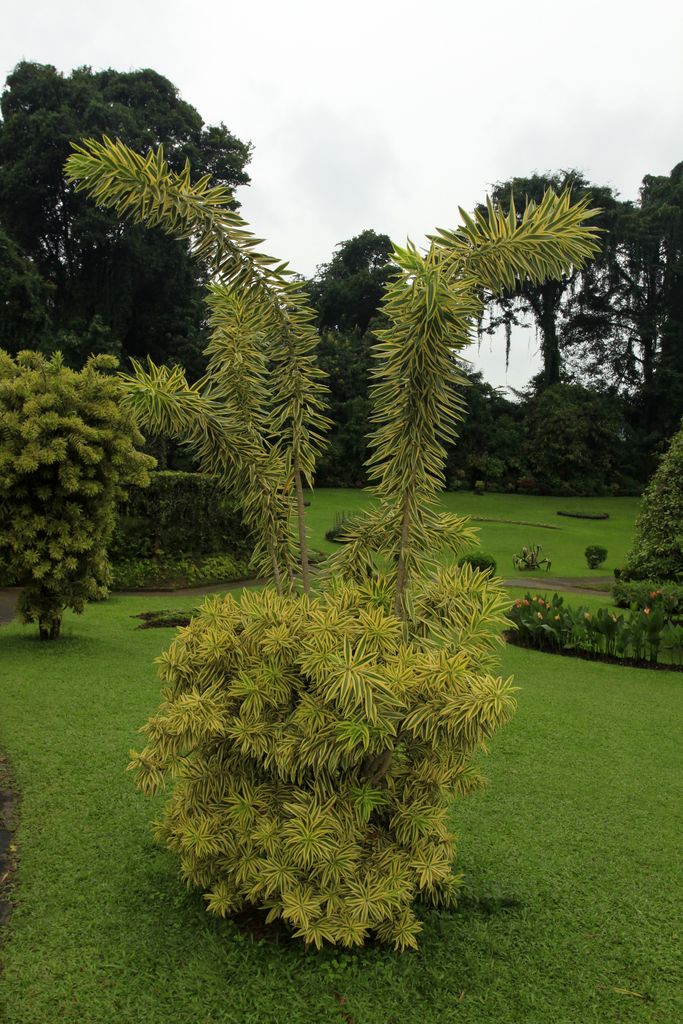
(571, 892)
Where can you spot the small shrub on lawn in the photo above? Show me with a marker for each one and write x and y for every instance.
(337, 533)
(531, 557)
(67, 454)
(595, 555)
(481, 560)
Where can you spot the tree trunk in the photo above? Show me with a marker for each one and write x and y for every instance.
(301, 516)
(550, 346)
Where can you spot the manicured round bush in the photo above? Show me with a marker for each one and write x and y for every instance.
(595, 555)
(67, 452)
(481, 560)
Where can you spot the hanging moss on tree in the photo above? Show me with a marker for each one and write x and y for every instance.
(315, 739)
(67, 452)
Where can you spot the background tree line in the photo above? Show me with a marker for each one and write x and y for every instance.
(610, 391)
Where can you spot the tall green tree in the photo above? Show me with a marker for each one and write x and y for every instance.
(347, 292)
(625, 327)
(144, 288)
(24, 300)
(543, 301)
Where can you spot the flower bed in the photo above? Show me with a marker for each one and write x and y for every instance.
(647, 636)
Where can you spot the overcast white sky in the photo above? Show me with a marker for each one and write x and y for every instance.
(386, 114)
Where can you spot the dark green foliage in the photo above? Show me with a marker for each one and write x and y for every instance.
(648, 635)
(574, 440)
(179, 514)
(346, 359)
(646, 593)
(169, 572)
(143, 287)
(490, 444)
(595, 555)
(657, 552)
(625, 325)
(348, 290)
(336, 533)
(585, 515)
(66, 455)
(481, 560)
(543, 301)
(24, 297)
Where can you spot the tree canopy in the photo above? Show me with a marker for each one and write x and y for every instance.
(143, 289)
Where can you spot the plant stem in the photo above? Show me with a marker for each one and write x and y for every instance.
(276, 568)
(301, 516)
(401, 572)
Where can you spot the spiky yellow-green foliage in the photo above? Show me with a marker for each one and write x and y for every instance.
(278, 713)
(431, 306)
(263, 386)
(315, 743)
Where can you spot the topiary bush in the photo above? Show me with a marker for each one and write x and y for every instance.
(657, 551)
(67, 452)
(315, 740)
(289, 708)
(595, 555)
(481, 560)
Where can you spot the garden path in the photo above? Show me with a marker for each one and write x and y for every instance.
(588, 585)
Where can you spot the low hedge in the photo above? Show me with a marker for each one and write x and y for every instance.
(168, 573)
(646, 593)
(584, 515)
(179, 514)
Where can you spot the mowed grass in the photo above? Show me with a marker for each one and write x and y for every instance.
(564, 545)
(571, 910)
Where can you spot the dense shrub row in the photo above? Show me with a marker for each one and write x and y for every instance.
(648, 634)
(178, 514)
(168, 572)
(646, 593)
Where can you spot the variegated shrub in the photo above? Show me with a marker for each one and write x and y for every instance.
(316, 732)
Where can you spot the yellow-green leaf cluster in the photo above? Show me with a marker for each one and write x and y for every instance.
(316, 744)
(67, 452)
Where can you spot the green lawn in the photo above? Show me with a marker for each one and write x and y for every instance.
(564, 545)
(571, 910)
